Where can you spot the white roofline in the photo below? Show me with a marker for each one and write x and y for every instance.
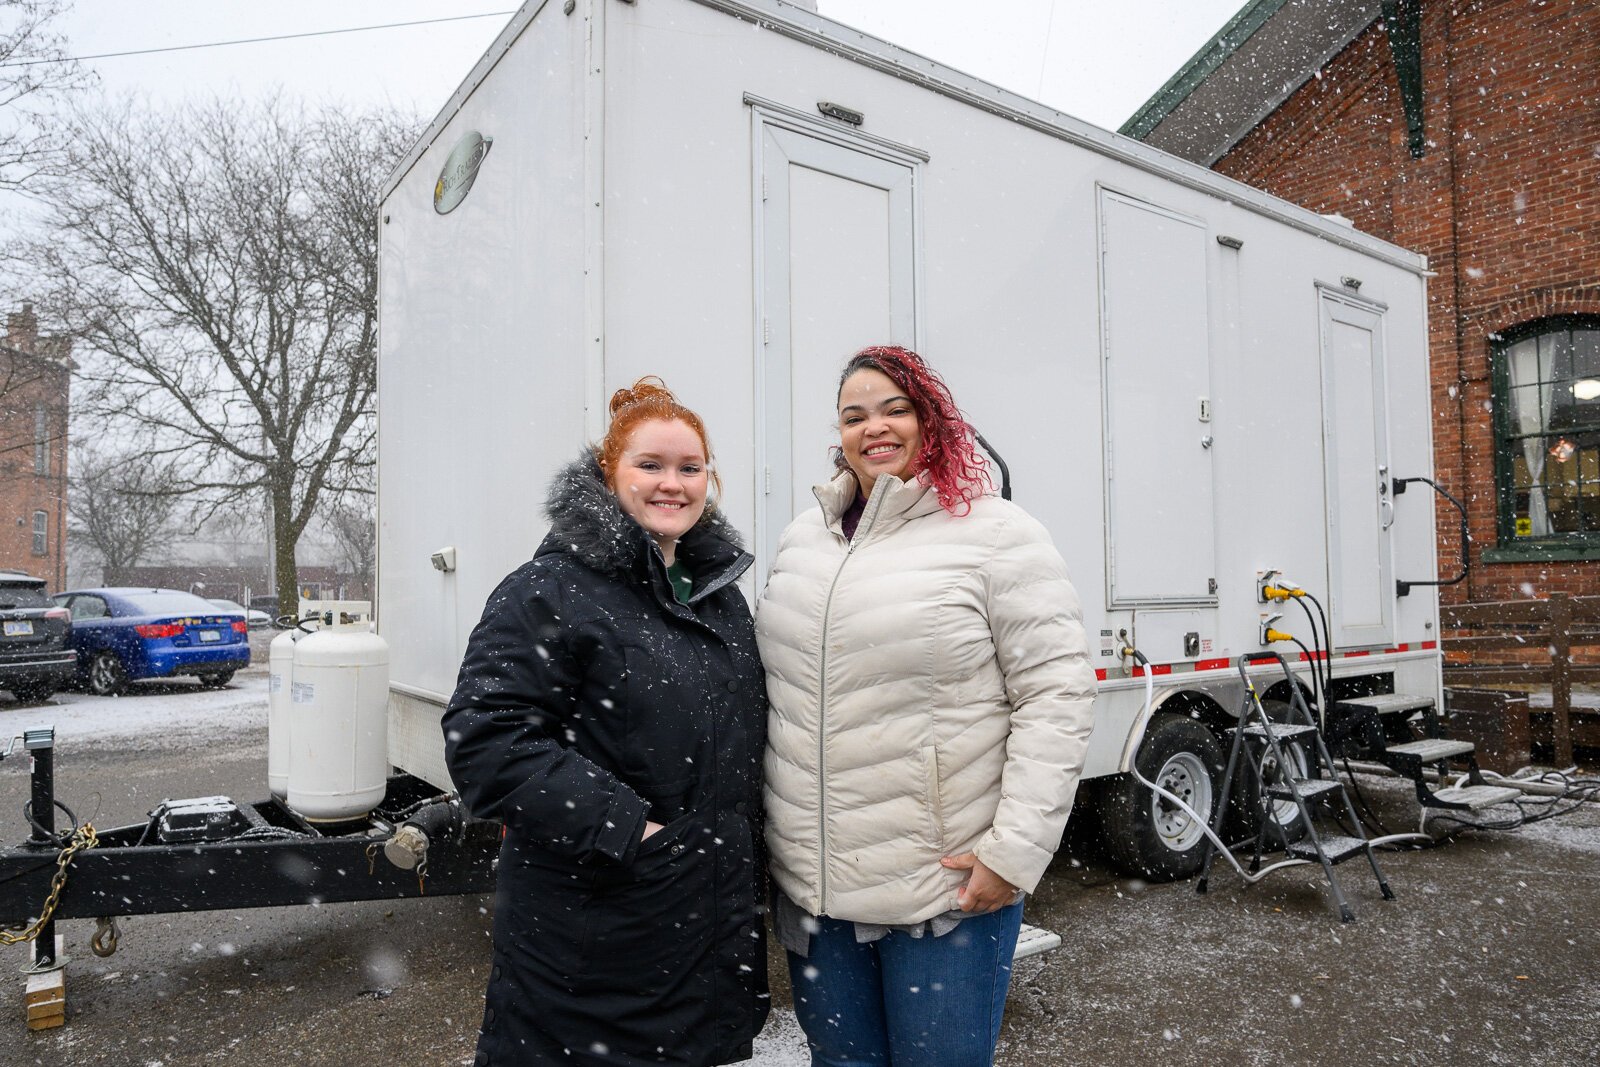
(811, 28)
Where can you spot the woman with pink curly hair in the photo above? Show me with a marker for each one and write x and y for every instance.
(930, 694)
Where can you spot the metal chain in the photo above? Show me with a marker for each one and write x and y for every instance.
(83, 837)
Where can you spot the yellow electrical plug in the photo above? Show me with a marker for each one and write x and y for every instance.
(1268, 634)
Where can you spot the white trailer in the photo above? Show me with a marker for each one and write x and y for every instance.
(1191, 381)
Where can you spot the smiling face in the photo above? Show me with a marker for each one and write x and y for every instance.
(878, 428)
(660, 481)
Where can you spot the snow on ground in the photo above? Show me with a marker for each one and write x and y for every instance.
(148, 716)
(781, 1044)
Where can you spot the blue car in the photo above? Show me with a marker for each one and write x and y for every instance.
(124, 635)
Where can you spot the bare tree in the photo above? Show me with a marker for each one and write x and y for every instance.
(35, 74)
(121, 507)
(218, 268)
(354, 530)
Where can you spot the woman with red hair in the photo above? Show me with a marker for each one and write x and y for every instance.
(930, 694)
(611, 713)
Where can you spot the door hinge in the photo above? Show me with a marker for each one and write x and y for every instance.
(763, 187)
(766, 330)
(767, 479)
(1211, 586)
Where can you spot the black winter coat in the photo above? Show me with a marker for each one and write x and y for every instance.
(590, 700)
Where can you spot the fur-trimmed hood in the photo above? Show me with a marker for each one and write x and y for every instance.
(587, 521)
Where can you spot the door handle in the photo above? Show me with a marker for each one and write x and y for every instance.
(1386, 512)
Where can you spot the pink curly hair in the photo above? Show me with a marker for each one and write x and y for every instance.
(949, 459)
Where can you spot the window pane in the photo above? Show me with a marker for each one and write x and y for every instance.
(1526, 416)
(1585, 387)
(1529, 506)
(23, 596)
(172, 602)
(1555, 356)
(1522, 362)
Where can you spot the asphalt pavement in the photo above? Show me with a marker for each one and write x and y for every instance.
(1488, 954)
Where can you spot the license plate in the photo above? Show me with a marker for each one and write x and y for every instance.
(19, 629)
(207, 636)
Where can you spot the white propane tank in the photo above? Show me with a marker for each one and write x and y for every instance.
(339, 718)
(280, 663)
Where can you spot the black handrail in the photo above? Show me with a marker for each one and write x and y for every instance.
(1005, 471)
(1404, 588)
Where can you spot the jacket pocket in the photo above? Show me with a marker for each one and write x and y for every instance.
(933, 800)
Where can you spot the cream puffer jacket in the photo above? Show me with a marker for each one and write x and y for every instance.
(930, 688)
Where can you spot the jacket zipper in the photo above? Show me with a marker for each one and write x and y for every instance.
(822, 710)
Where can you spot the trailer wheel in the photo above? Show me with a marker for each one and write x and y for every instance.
(1283, 821)
(1147, 834)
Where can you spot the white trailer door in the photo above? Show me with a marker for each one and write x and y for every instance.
(836, 264)
(1355, 438)
(1155, 336)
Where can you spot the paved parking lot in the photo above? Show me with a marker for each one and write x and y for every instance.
(1488, 954)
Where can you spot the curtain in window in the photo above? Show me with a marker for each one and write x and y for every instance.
(1524, 367)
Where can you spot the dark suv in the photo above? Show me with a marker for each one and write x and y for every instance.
(34, 658)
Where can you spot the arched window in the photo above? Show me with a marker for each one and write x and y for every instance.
(1547, 429)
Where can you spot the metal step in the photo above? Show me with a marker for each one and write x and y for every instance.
(1336, 847)
(1388, 703)
(1478, 796)
(1035, 941)
(1308, 788)
(1431, 749)
(1283, 731)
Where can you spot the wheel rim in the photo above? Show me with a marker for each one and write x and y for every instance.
(1284, 812)
(1185, 776)
(103, 673)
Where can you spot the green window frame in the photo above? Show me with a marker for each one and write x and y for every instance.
(1546, 380)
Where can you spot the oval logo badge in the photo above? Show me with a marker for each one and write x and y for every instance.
(460, 171)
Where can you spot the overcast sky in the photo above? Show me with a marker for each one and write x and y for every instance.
(1093, 59)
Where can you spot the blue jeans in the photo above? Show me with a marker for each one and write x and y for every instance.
(906, 1001)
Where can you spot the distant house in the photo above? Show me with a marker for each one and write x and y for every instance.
(35, 381)
(1468, 130)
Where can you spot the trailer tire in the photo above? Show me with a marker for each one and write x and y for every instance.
(1284, 825)
(1146, 835)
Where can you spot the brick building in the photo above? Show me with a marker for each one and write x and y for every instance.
(1468, 130)
(35, 378)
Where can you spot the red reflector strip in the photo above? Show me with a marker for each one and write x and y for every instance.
(1159, 668)
(1211, 665)
(1100, 675)
(1308, 657)
(1428, 645)
(1353, 655)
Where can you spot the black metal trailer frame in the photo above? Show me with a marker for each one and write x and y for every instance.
(262, 855)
